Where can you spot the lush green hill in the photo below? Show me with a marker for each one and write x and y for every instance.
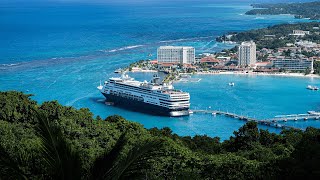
(280, 32)
(300, 10)
(51, 141)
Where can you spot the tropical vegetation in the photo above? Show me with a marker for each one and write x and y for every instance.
(300, 10)
(51, 141)
(276, 36)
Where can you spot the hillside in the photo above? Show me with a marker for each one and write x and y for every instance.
(300, 10)
(280, 35)
(51, 141)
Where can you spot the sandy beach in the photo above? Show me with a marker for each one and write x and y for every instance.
(143, 70)
(262, 74)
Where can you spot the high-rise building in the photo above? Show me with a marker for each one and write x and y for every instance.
(176, 54)
(247, 54)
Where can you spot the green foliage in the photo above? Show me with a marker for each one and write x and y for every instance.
(62, 161)
(9, 167)
(59, 142)
(307, 71)
(230, 166)
(246, 138)
(17, 107)
(204, 144)
(300, 10)
(281, 35)
(316, 67)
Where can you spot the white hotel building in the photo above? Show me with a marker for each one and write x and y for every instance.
(300, 33)
(293, 64)
(176, 54)
(247, 54)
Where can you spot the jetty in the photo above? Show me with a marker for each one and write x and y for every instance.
(272, 122)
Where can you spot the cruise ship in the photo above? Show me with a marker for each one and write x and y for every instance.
(148, 97)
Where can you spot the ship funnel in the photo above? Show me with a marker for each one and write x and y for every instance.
(156, 79)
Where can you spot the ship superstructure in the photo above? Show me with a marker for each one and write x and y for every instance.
(150, 97)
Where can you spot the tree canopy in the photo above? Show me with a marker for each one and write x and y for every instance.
(300, 10)
(51, 141)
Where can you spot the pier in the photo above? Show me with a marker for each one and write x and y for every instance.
(272, 122)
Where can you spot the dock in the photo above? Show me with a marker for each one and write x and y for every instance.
(272, 122)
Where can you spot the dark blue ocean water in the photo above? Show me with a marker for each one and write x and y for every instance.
(62, 50)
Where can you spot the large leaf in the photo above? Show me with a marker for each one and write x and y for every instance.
(62, 160)
(135, 161)
(103, 164)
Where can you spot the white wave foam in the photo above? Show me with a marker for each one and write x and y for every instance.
(125, 48)
(141, 45)
(9, 65)
(185, 39)
(52, 84)
(215, 45)
(203, 47)
(70, 103)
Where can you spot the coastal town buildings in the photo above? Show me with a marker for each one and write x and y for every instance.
(210, 61)
(307, 44)
(176, 54)
(293, 64)
(300, 33)
(247, 54)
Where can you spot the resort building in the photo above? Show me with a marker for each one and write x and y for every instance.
(293, 64)
(197, 59)
(299, 33)
(176, 54)
(247, 54)
(224, 58)
(210, 61)
(307, 44)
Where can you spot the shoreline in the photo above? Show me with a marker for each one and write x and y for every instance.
(258, 73)
(143, 71)
(238, 73)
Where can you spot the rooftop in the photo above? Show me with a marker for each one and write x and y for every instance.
(176, 47)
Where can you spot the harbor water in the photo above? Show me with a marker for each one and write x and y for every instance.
(61, 51)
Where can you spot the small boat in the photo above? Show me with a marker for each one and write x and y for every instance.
(118, 70)
(109, 103)
(312, 87)
(314, 113)
(190, 112)
(185, 76)
(231, 83)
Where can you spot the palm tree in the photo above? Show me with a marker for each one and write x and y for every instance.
(110, 166)
(63, 162)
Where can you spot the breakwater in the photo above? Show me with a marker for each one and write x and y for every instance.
(272, 122)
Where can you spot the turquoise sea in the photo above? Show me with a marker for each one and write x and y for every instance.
(61, 50)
